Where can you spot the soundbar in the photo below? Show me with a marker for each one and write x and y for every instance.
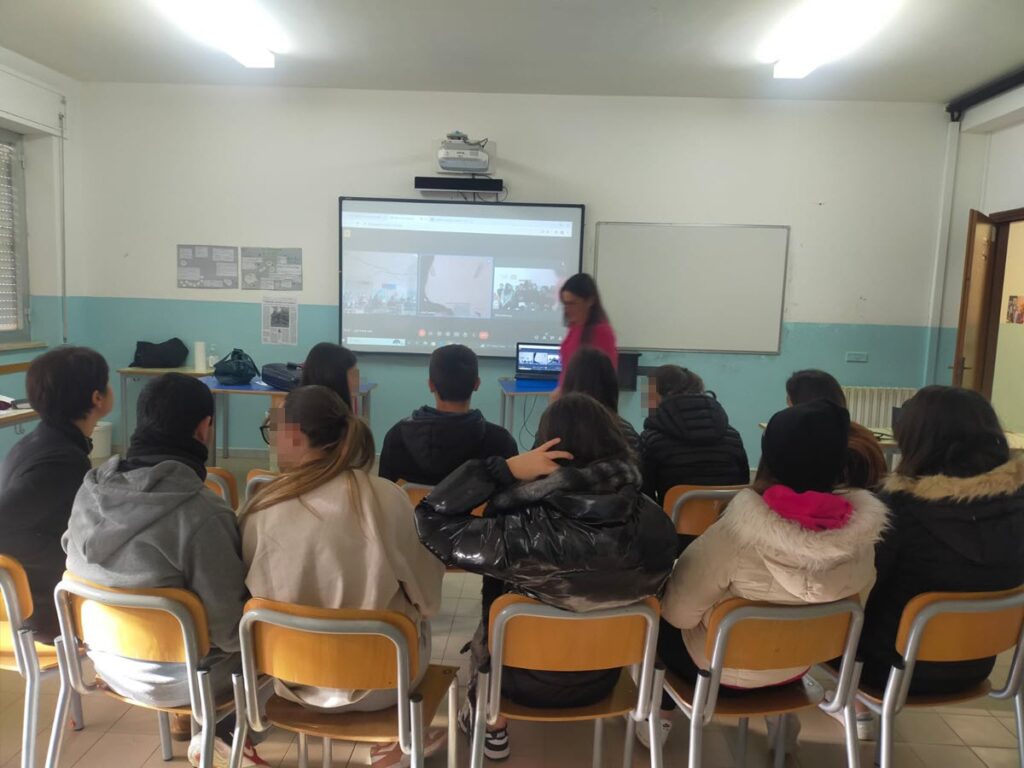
(458, 184)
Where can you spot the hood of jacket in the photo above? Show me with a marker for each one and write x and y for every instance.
(812, 565)
(437, 441)
(114, 507)
(951, 508)
(695, 419)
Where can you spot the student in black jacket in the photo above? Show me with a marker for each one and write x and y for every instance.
(433, 442)
(688, 440)
(957, 525)
(70, 389)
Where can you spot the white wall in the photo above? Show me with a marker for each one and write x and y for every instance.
(1008, 379)
(858, 182)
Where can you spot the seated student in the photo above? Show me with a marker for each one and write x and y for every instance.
(335, 367)
(148, 521)
(565, 523)
(865, 462)
(957, 501)
(591, 372)
(791, 539)
(69, 389)
(326, 533)
(687, 440)
(433, 442)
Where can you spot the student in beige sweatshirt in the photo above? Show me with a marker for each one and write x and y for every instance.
(328, 534)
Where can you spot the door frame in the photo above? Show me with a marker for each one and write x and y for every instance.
(1002, 221)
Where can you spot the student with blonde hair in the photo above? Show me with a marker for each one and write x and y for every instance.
(327, 533)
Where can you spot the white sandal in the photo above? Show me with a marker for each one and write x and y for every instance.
(392, 756)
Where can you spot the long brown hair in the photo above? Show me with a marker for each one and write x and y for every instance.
(583, 285)
(345, 441)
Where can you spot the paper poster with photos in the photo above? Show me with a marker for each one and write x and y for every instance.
(279, 321)
(1015, 310)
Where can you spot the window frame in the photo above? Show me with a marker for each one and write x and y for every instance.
(24, 332)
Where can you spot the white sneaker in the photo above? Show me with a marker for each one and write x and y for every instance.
(221, 754)
(867, 725)
(792, 731)
(643, 732)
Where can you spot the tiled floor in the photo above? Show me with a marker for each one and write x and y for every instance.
(974, 735)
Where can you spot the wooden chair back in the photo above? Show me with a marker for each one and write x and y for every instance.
(255, 478)
(336, 660)
(570, 644)
(146, 634)
(696, 515)
(763, 643)
(957, 636)
(217, 487)
(416, 493)
(228, 481)
(22, 595)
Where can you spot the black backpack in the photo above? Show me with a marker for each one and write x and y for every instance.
(167, 354)
(235, 369)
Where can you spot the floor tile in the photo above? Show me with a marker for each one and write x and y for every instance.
(939, 756)
(980, 731)
(921, 727)
(998, 758)
(117, 749)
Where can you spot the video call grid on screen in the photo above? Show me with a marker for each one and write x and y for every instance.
(416, 275)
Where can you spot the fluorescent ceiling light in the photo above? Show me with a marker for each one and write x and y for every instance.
(240, 28)
(819, 31)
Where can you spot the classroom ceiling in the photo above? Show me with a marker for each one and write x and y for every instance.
(932, 51)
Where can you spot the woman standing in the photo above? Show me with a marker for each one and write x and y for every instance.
(587, 321)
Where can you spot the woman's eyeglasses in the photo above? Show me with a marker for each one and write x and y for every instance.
(265, 433)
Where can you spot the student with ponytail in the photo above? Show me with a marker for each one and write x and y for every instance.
(329, 534)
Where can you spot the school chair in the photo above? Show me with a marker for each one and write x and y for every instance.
(527, 634)
(218, 486)
(255, 479)
(154, 625)
(20, 653)
(346, 649)
(418, 493)
(693, 508)
(945, 627)
(760, 636)
(227, 482)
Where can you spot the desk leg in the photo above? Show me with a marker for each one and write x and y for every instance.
(366, 407)
(211, 443)
(124, 414)
(225, 449)
(502, 412)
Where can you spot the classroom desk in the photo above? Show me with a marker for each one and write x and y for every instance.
(136, 374)
(222, 393)
(513, 388)
(17, 417)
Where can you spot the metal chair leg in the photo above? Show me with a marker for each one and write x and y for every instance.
(483, 681)
(30, 723)
(598, 755)
(77, 716)
(303, 751)
(164, 722)
(780, 743)
(654, 717)
(627, 747)
(209, 724)
(1018, 711)
(852, 743)
(60, 716)
(696, 736)
(741, 742)
(241, 731)
(453, 724)
(416, 721)
(328, 753)
(885, 735)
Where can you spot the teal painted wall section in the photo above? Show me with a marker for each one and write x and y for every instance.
(751, 387)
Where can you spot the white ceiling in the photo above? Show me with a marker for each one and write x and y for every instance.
(933, 51)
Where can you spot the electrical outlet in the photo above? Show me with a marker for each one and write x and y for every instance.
(856, 357)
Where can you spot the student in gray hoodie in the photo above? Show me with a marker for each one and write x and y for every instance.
(147, 521)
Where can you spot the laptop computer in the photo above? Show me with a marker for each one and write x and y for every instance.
(539, 362)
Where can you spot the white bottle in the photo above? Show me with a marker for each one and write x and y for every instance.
(212, 358)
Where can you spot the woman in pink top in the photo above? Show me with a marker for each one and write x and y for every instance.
(587, 321)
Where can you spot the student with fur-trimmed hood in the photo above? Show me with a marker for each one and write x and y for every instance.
(957, 501)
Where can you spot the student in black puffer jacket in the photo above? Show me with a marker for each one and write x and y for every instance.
(957, 525)
(565, 523)
(688, 440)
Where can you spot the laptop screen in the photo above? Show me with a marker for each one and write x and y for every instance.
(538, 359)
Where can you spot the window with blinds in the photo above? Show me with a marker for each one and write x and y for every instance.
(13, 252)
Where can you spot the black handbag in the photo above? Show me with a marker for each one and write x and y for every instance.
(283, 376)
(167, 354)
(235, 369)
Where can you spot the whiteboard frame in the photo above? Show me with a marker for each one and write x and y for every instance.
(785, 278)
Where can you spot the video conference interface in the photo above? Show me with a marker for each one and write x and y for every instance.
(419, 275)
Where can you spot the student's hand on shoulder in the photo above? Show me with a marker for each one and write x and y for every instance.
(540, 462)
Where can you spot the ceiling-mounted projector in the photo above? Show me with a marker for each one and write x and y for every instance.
(459, 154)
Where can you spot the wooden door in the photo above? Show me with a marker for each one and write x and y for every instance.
(974, 333)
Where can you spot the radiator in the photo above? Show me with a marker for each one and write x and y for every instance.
(872, 406)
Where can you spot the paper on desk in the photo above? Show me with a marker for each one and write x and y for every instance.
(280, 320)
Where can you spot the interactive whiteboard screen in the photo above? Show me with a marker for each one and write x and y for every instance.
(416, 275)
(714, 288)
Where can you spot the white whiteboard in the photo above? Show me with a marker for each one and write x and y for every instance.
(708, 288)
